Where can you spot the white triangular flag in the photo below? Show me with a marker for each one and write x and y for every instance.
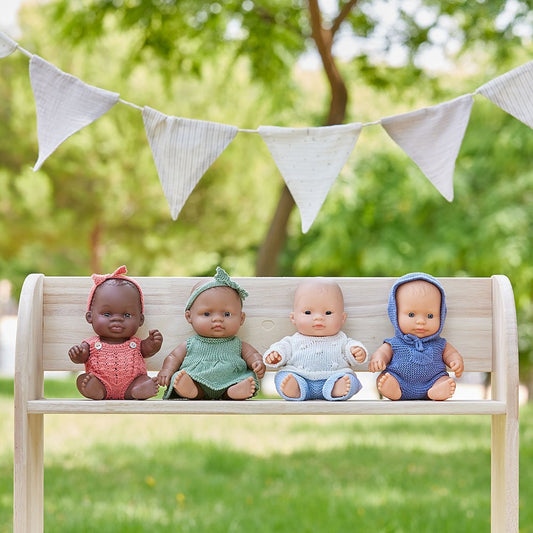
(310, 159)
(64, 105)
(513, 92)
(183, 150)
(7, 45)
(432, 138)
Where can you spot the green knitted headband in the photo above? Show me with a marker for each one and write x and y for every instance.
(221, 279)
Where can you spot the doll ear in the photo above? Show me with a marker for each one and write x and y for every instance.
(243, 318)
(188, 316)
(89, 317)
(141, 321)
(344, 317)
(291, 316)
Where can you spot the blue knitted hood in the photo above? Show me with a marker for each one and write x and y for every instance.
(393, 312)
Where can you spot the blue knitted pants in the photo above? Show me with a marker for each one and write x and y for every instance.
(318, 389)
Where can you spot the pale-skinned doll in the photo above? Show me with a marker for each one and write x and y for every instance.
(213, 364)
(114, 358)
(319, 360)
(413, 362)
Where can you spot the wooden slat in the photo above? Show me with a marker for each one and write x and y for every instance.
(468, 325)
(271, 407)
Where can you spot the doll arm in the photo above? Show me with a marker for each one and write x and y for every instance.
(152, 344)
(277, 354)
(172, 362)
(453, 359)
(253, 359)
(79, 353)
(355, 350)
(380, 358)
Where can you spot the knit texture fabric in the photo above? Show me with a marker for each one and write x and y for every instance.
(115, 365)
(416, 362)
(215, 364)
(315, 357)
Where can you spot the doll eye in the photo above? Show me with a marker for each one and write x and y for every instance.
(307, 312)
(107, 314)
(127, 315)
(227, 314)
(430, 315)
(206, 313)
(411, 315)
(328, 312)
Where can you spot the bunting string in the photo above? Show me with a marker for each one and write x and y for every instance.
(308, 159)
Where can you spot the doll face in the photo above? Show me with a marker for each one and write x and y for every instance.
(418, 304)
(318, 309)
(115, 312)
(216, 312)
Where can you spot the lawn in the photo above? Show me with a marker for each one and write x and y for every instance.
(264, 473)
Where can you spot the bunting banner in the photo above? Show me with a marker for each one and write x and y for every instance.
(183, 150)
(310, 159)
(432, 138)
(513, 92)
(64, 105)
(7, 45)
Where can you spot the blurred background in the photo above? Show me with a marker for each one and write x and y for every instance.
(97, 201)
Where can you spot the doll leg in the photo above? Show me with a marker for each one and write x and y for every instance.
(91, 387)
(141, 388)
(341, 387)
(186, 387)
(291, 386)
(388, 386)
(243, 390)
(442, 389)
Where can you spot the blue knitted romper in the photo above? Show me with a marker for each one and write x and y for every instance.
(416, 363)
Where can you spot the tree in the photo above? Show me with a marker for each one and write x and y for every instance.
(187, 34)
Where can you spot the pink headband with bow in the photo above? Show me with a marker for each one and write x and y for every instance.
(118, 274)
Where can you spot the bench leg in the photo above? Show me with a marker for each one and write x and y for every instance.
(504, 475)
(28, 483)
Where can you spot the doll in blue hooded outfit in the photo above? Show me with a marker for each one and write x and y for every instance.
(413, 362)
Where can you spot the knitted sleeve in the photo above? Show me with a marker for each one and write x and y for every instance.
(348, 354)
(284, 348)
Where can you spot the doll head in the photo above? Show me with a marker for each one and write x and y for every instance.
(214, 309)
(115, 306)
(318, 308)
(417, 306)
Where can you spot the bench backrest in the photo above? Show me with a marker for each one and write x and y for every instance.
(468, 324)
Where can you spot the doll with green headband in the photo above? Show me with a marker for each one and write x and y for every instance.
(213, 364)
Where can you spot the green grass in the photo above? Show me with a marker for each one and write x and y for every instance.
(264, 473)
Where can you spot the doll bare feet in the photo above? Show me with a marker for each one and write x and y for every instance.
(341, 387)
(442, 389)
(243, 390)
(142, 388)
(389, 387)
(289, 386)
(91, 387)
(186, 387)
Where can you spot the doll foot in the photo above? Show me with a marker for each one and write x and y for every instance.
(442, 389)
(91, 387)
(342, 387)
(186, 387)
(389, 387)
(243, 390)
(142, 388)
(289, 386)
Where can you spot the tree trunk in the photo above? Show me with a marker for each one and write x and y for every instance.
(270, 251)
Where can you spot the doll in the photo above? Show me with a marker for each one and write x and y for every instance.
(114, 357)
(214, 363)
(413, 362)
(318, 360)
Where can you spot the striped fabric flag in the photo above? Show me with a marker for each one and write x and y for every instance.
(432, 138)
(513, 92)
(64, 105)
(310, 159)
(183, 149)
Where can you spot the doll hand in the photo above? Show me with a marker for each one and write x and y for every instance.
(163, 378)
(259, 368)
(79, 353)
(377, 365)
(457, 366)
(152, 344)
(272, 358)
(358, 353)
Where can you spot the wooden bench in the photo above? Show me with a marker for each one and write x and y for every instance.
(481, 324)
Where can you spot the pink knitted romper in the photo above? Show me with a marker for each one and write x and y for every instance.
(115, 365)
